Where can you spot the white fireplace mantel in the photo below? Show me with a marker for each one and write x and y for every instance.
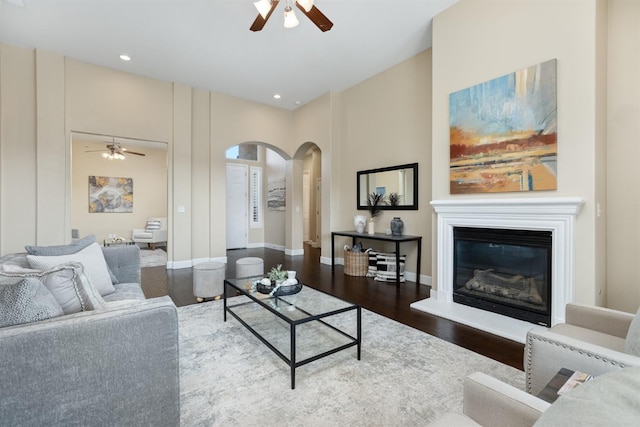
(555, 214)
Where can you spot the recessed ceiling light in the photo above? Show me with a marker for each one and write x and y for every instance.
(298, 102)
(276, 96)
(125, 57)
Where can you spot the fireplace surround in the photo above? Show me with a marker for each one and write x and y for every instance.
(555, 215)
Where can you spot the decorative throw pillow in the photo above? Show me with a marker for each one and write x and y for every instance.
(66, 282)
(373, 264)
(386, 267)
(26, 301)
(91, 258)
(153, 224)
(632, 342)
(69, 249)
(72, 248)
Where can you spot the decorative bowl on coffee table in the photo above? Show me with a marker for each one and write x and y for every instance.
(283, 290)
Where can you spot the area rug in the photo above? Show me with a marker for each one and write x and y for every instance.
(153, 258)
(405, 377)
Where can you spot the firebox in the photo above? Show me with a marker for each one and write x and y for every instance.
(504, 271)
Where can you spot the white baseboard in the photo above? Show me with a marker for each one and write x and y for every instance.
(175, 265)
(294, 252)
(274, 247)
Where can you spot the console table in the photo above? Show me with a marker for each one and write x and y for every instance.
(383, 237)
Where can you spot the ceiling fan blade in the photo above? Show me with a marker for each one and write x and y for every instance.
(125, 151)
(317, 17)
(258, 24)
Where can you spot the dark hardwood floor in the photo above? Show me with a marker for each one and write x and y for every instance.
(386, 299)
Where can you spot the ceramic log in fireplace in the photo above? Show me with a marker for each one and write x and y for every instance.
(504, 271)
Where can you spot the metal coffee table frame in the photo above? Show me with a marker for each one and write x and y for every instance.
(237, 286)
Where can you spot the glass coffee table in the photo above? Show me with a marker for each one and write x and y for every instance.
(299, 328)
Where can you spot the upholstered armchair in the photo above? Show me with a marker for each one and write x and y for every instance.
(154, 232)
(608, 400)
(488, 401)
(593, 339)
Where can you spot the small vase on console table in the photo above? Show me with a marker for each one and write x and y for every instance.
(397, 226)
(371, 229)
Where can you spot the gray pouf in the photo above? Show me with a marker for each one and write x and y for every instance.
(208, 280)
(249, 267)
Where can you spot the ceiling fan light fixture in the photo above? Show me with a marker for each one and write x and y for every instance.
(263, 6)
(306, 4)
(290, 19)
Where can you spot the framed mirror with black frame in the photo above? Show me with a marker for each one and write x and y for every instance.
(397, 186)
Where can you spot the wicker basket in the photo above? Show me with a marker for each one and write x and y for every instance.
(356, 263)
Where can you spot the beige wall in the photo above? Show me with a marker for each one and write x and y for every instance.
(386, 122)
(475, 41)
(623, 151)
(17, 149)
(149, 175)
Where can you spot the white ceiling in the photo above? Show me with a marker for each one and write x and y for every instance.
(207, 43)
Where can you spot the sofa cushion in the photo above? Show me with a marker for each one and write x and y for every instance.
(142, 234)
(26, 301)
(92, 259)
(66, 282)
(632, 342)
(58, 250)
(126, 291)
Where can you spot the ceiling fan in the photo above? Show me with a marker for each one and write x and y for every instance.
(115, 150)
(266, 8)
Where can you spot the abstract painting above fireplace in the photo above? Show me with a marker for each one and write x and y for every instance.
(503, 133)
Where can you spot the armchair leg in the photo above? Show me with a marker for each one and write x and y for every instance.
(152, 246)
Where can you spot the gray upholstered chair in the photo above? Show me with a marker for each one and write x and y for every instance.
(593, 339)
(608, 400)
(488, 401)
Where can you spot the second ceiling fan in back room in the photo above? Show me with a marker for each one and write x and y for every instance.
(115, 150)
(266, 8)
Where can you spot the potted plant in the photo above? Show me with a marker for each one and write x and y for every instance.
(374, 204)
(277, 274)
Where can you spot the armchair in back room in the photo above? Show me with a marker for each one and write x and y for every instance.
(154, 232)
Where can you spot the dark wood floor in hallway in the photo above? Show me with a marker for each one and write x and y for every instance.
(386, 299)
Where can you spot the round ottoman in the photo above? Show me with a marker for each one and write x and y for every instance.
(208, 280)
(249, 267)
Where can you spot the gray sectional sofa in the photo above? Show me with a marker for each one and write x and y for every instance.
(113, 363)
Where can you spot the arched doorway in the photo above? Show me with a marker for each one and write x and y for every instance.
(311, 156)
(286, 224)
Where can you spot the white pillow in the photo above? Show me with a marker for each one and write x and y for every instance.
(91, 258)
